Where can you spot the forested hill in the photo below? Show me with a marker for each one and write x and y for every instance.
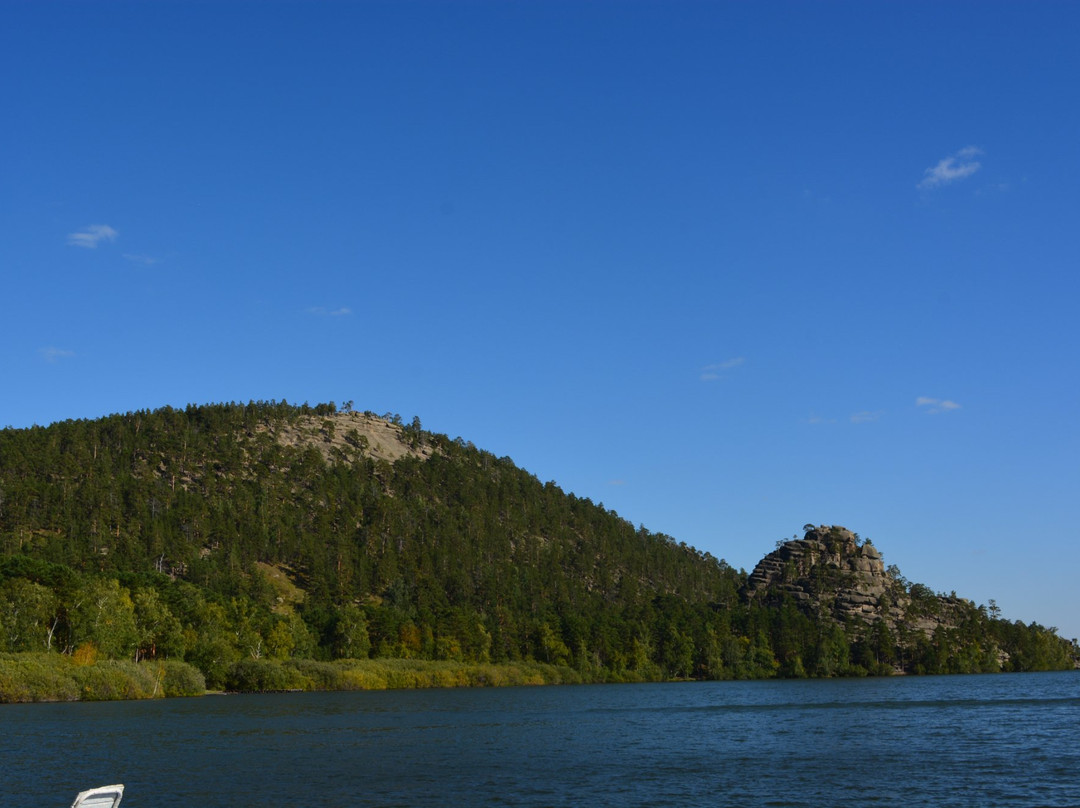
(228, 532)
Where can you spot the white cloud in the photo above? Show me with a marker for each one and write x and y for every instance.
(865, 416)
(55, 354)
(319, 311)
(936, 405)
(711, 373)
(955, 167)
(92, 235)
(145, 260)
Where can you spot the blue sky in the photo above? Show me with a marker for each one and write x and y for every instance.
(726, 268)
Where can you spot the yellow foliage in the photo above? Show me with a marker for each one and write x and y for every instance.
(85, 654)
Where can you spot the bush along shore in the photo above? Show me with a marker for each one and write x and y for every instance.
(44, 677)
(28, 677)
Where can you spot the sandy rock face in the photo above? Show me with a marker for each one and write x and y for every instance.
(347, 432)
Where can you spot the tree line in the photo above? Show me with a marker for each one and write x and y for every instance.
(150, 535)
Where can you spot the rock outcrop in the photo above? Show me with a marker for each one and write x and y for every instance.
(343, 434)
(831, 573)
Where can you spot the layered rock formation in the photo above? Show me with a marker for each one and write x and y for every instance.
(831, 573)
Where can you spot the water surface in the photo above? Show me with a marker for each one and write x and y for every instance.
(1000, 740)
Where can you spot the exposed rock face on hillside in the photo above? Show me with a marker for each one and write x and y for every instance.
(340, 437)
(830, 573)
(827, 570)
(342, 433)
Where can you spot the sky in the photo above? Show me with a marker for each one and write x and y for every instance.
(726, 268)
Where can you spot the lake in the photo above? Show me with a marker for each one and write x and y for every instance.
(994, 740)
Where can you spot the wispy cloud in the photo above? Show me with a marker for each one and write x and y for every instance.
(145, 260)
(936, 405)
(711, 373)
(861, 417)
(952, 168)
(320, 311)
(616, 482)
(55, 354)
(92, 235)
(865, 416)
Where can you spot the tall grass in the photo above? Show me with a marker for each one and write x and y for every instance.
(58, 677)
(388, 674)
(29, 677)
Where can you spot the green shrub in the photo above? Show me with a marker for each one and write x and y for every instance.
(36, 677)
(103, 682)
(179, 678)
(57, 677)
(265, 675)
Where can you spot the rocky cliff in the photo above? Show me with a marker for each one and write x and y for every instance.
(830, 572)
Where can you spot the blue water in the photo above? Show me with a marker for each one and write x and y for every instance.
(1002, 740)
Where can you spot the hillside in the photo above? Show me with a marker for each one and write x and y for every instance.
(268, 531)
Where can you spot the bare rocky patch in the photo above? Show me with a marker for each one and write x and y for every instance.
(344, 434)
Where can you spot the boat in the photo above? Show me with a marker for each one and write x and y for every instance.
(100, 797)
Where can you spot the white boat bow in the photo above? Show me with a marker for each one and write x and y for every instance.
(100, 797)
